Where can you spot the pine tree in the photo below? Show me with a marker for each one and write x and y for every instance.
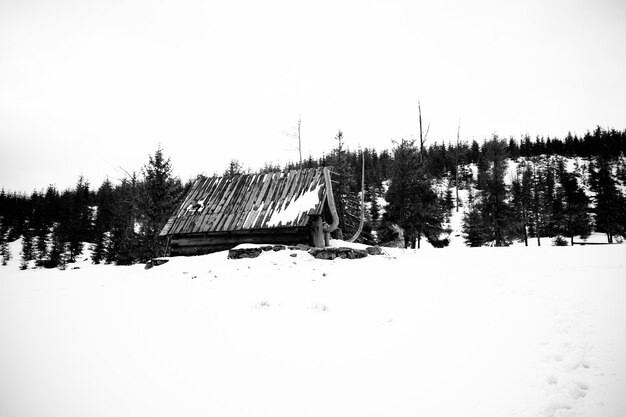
(519, 208)
(123, 246)
(496, 222)
(495, 205)
(234, 166)
(46, 212)
(39, 228)
(104, 221)
(474, 231)
(521, 190)
(513, 150)
(621, 168)
(374, 208)
(58, 250)
(27, 247)
(545, 207)
(575, 219)
(413, 204)
(552, 208)
(447, 203)
(609, 202)
(536, 208)
(5, 251)
(344, 175)
(474, 152)
(78, 224)
(158, 198)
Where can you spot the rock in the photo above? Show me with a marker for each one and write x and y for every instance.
(325, 254)
(313, 251)
(319, 253)
(155, 262)
(244, 253)
(374, 250)
(343, 253)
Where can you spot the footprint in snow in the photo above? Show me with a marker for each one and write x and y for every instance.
(575, 392)
(583, 386)
(557, 409)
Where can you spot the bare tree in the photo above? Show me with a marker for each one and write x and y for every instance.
(423, 137)
(296, 135)
(300, 140)
(456, 171)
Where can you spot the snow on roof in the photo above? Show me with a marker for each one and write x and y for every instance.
(297, 206)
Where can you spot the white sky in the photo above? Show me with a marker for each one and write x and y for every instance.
(91, 86)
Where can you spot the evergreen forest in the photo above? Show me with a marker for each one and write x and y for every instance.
(562, 188)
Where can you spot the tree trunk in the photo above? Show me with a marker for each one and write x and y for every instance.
(537, 230)
(299, 140)
(421, 155)
(456, 172)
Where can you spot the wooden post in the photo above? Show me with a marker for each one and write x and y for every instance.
(317, 232)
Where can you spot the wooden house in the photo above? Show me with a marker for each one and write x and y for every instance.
(219, 213)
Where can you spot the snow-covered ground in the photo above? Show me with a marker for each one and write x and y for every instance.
(453, 332)
(515, 331)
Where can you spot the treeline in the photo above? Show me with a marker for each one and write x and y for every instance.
(441, 160)
(545, 199)
(120, 221)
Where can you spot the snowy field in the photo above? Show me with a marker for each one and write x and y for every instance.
(453, 332)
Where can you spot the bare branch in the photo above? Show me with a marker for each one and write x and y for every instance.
(296, 135)
(128, 174)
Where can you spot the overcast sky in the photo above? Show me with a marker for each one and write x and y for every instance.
(90, 87)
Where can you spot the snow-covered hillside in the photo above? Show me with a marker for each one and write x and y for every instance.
(578, 165)
(456, 332)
